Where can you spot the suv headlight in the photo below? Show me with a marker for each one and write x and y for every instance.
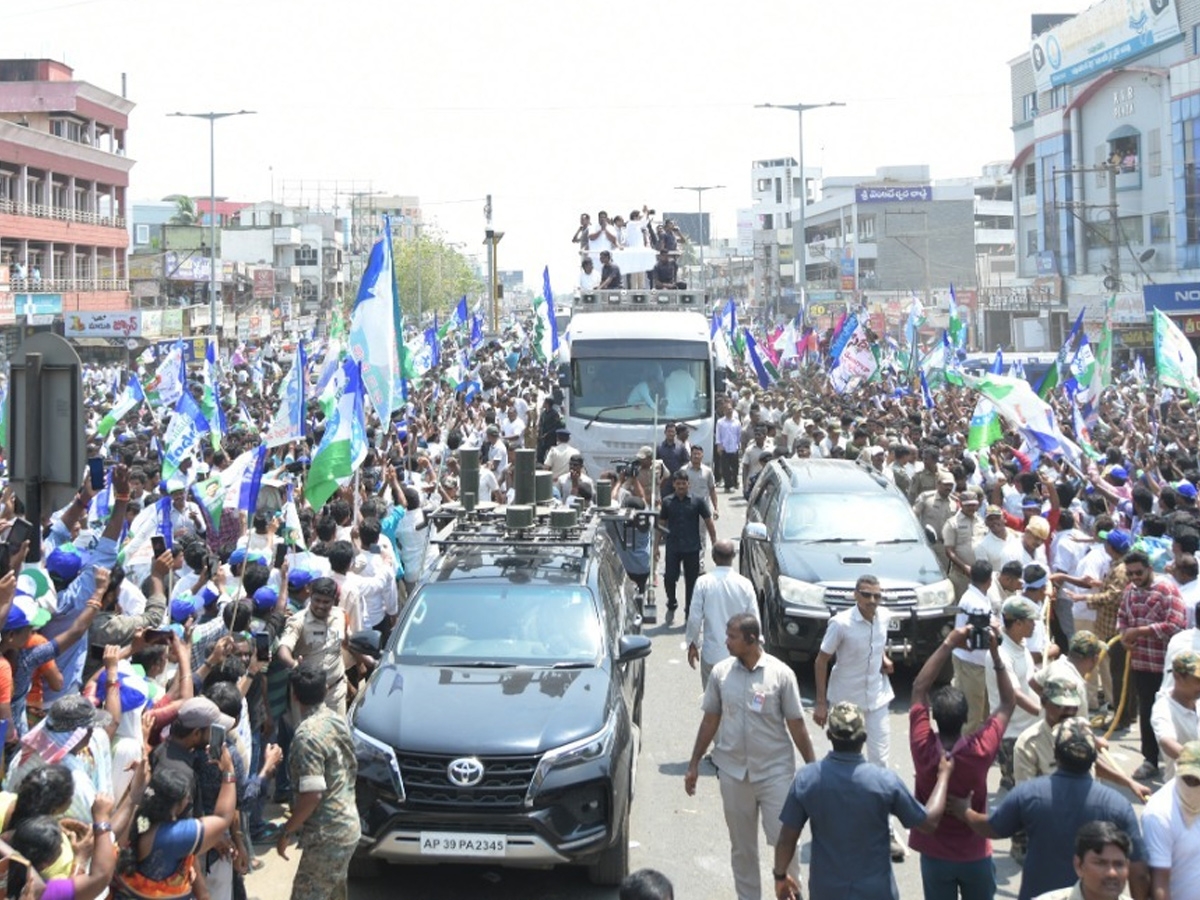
(940, 593)
(377, 762)
(794, 592)
(595, 746)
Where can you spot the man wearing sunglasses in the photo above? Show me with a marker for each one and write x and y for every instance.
(858, 637)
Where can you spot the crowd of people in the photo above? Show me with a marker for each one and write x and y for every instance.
(1084, 581)
(156, 698)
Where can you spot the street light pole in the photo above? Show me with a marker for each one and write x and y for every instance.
(700, 189)
(213, 275)
(799, 244)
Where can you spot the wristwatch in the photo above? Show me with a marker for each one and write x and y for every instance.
(100, 828)
(778, 876)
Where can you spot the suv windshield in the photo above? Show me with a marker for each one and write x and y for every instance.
(468, 624)
(680, 387)
(869, 518)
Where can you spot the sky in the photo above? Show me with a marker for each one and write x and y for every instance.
(552, 108)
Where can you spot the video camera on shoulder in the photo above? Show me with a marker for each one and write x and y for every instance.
(980, 635)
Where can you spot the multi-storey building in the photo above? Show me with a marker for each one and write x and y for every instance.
(64, 175)
(1106, 128)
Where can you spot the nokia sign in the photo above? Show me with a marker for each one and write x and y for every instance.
(1172, 298)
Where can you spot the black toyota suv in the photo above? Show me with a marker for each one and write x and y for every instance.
(813, 526)
(501, 725)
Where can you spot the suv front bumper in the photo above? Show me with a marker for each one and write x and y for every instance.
(568, 826)
(914, 632)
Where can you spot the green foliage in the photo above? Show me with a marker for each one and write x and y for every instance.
(446, 275)
(185, 212)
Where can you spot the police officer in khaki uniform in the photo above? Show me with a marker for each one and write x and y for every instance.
(959, 535)
(925, 478)
(934, 508)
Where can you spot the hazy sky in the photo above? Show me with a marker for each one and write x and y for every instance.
(553, 108)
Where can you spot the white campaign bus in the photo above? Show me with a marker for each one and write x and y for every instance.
(634, 361)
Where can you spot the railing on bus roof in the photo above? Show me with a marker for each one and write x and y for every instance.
(635, 300)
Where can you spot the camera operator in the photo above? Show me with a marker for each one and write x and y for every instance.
(970, 660)
(629, 485)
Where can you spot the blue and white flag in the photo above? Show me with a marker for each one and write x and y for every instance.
(998, 363)
(476, 331)
(243, 478)
(288, 424)
(545, 327)
(184, 430)
(1139, 369)
(760, 370)
(162, 513)
(434, 345)
(926, 396)
(373, 324)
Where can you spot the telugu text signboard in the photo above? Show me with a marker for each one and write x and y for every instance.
(103, 324)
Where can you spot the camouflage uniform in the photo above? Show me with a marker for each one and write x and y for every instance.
(322, 759)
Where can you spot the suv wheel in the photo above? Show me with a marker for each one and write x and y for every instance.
(613, 865)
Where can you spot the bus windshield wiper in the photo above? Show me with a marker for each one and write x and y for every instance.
(602, 410)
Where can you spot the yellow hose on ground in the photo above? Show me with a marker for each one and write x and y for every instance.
(1124, 684)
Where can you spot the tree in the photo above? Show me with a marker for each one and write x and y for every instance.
(185, 211)
(445, 274)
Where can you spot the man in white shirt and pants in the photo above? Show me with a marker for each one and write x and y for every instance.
(858, 637)
(719, 595)
(970, 666)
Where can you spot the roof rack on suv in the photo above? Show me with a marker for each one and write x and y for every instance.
(516, 526)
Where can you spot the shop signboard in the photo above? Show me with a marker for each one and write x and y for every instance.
(103, 324)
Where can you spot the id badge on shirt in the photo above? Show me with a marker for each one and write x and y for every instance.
(757, 701)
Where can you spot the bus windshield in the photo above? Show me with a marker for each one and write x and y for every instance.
(629, 390)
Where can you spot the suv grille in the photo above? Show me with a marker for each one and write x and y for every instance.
(505, 782)
(893, 598)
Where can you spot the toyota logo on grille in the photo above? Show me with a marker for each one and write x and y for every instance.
(465, 772)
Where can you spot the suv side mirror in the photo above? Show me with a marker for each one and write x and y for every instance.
(366, 642)
(564, 377)
(930, 535)
(633, 646)
(756, 531)
(719, 381)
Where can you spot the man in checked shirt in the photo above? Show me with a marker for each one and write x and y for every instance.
(1151, 612)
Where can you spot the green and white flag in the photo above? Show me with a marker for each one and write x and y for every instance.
(344, 445)
(130, 398)
(985, 428)
(1174, 356)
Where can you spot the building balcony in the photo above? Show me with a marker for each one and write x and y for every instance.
(286, 236)
(994, 236)
(66, 285)
(59, 213)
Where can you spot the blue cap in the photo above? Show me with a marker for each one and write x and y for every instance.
(238, 556)
(64, 563)
(183, 608)
(256, 558)
(265, 597)
(25, 613)
(1119, 472)
(209, 595)
(1119, 540)
(1186, 489)
(300, 578)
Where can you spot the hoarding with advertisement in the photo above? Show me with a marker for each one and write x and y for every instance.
(264, 284)
(1102, 37)
(1172, 298)
(102, 324)
(8, 308)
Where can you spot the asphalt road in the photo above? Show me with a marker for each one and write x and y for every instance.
(682, 836)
